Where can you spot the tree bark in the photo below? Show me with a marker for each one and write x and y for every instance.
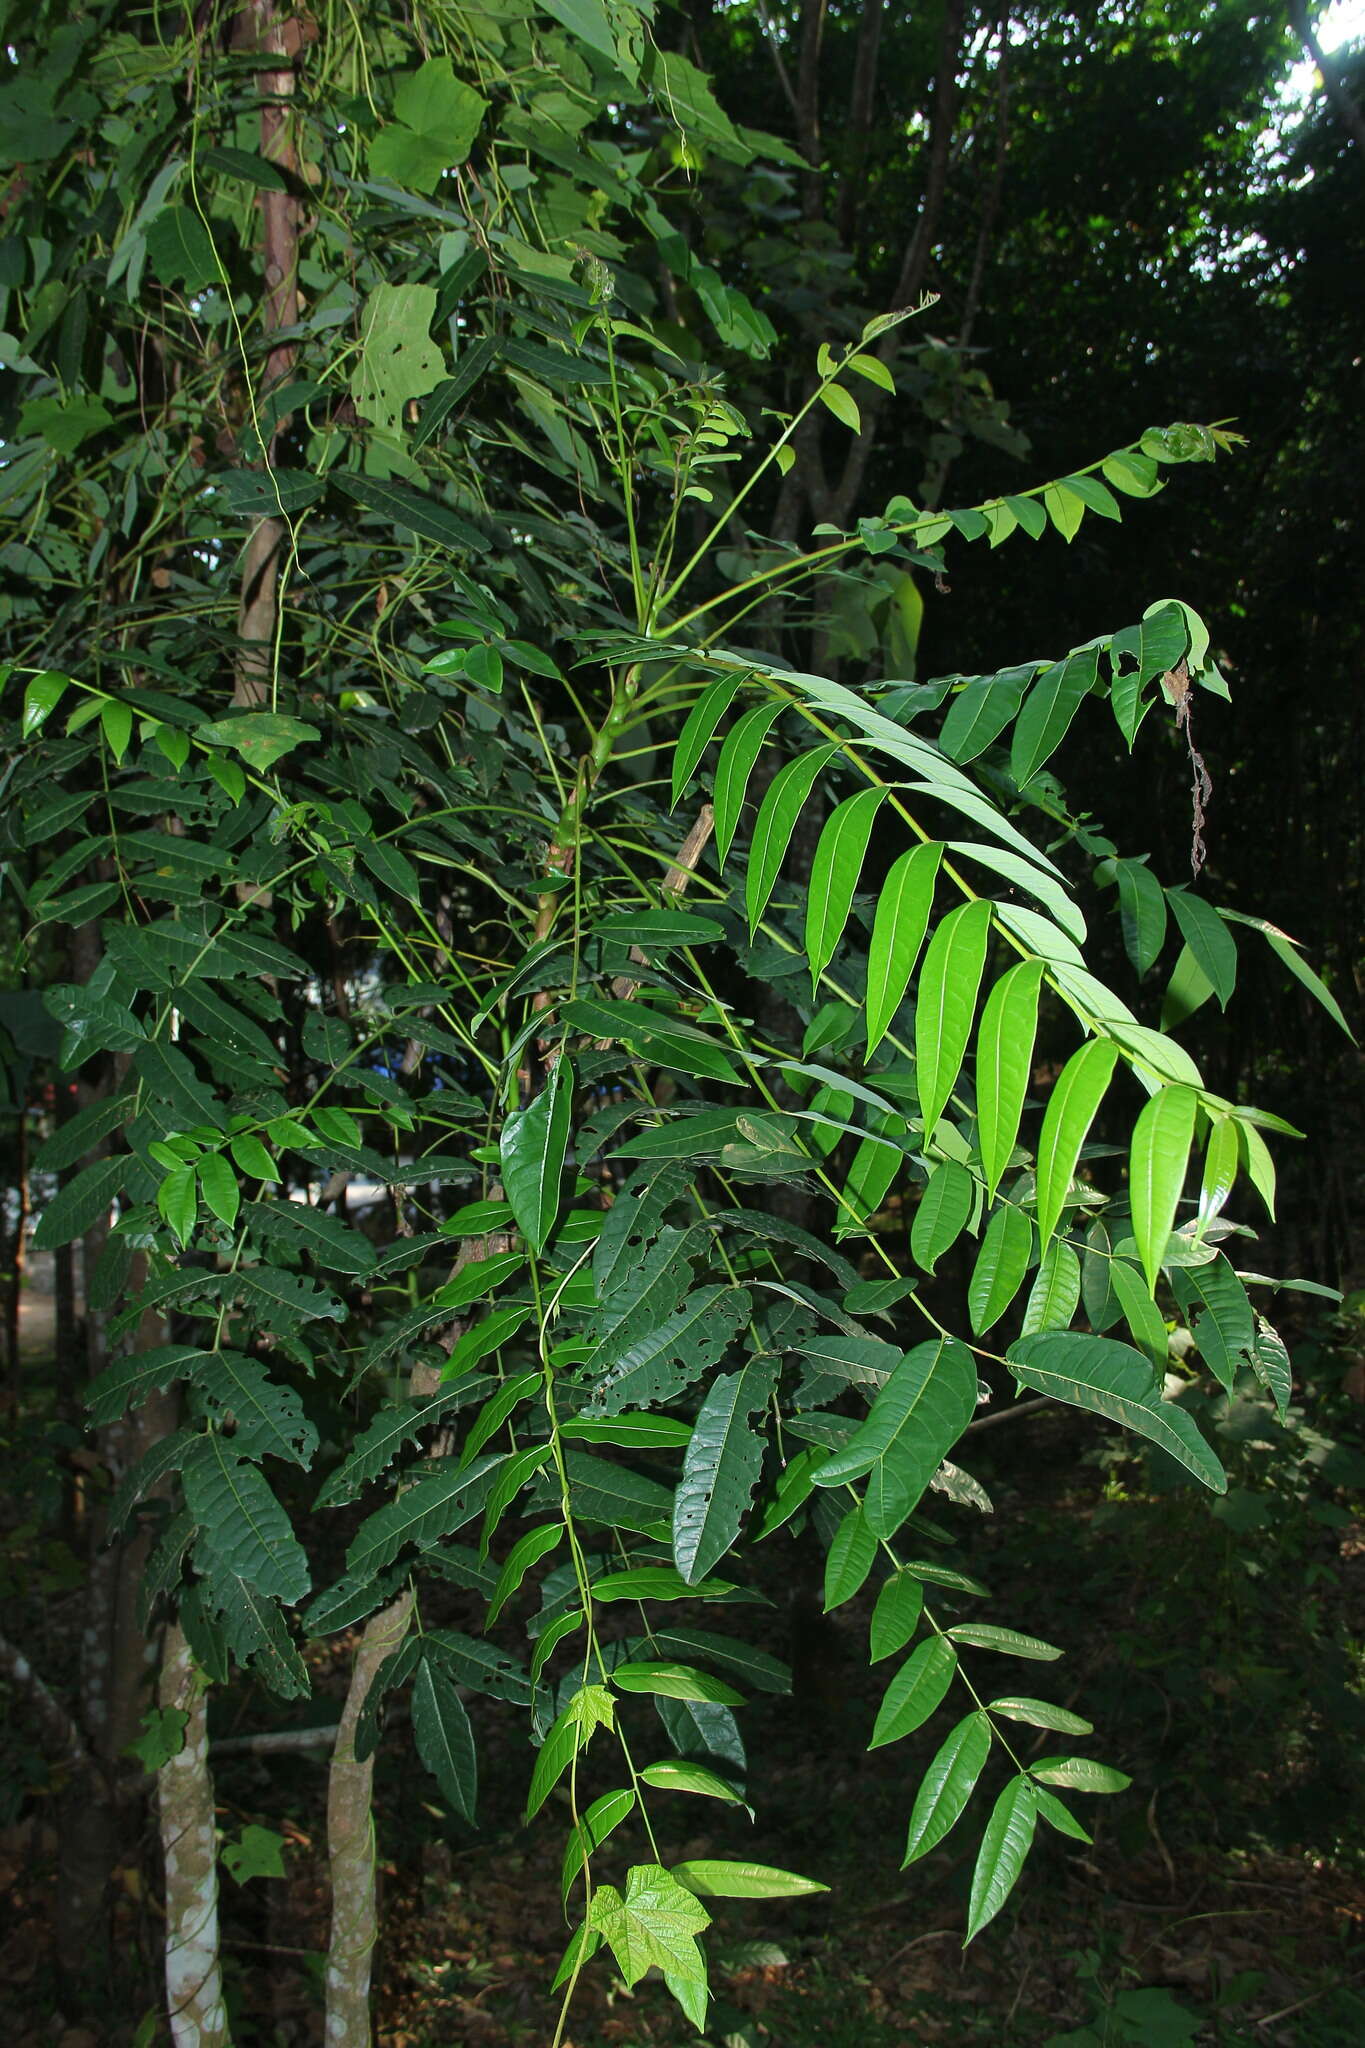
(194, 1982)
(351, 1843)
(278, 38)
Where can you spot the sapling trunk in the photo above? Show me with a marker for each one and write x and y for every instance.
(194, 1982)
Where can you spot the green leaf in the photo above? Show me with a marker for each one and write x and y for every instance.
(773, 828)
(980, 712)
(1065, 509)
(1080, 1774)
(268, 1419)
(655, 1925)
(258, 1852)
(1041, 1714)
(1142, 911)
(1056, 1292)
(721, 1468)
(180, 249)
(444, 1738)
(391, 868)
(435, 1505)
(1221, 1158)
(895, 1616)
(83, 1201)
(834, 874)
(1004, 1847)
(1209, 940)
(699, 729)
(335, 1246)
(592, 1828)
(1132, 473)
(177, 1202)
(1158, 1160)
(1051, 1809)
(261, 737)
(589, 21)
(916, 1691)
(42, 694)
(842, 405)
(898, 929)
(398, 505)
(218, 1185)
(532, 1148)
(942, 1214)
(1005, 1256)
(632, 1372)
(655, 1582)
(1146, 1324)
(742, 746)
(1048, 710)
(676, 1776)
(756, 1667)
(675, 1682)
(1225, 1330)
(1072, 1107)
(712, 1879)
(528, 1551)
(946, 1004)
(241, 1522)
(1004, 1062)
(984, 1635)
(1111, 1380)
(162, 1737)
(912, 1425)
(851, 1557)
(398, 362)
(1285, 950)
(947, 1785)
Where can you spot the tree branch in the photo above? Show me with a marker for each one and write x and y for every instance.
(62, 1740)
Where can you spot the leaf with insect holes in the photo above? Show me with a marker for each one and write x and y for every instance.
(721, 1468)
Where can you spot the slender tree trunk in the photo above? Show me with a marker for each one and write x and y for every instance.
(266, 29)
(351, 1842)
(18, 1262)
(194, 1982)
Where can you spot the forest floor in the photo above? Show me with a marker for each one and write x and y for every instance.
(1223, 1899)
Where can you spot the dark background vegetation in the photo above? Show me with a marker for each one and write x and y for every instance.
(1128, 222)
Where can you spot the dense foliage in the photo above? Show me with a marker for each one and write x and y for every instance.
(552, 1070)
